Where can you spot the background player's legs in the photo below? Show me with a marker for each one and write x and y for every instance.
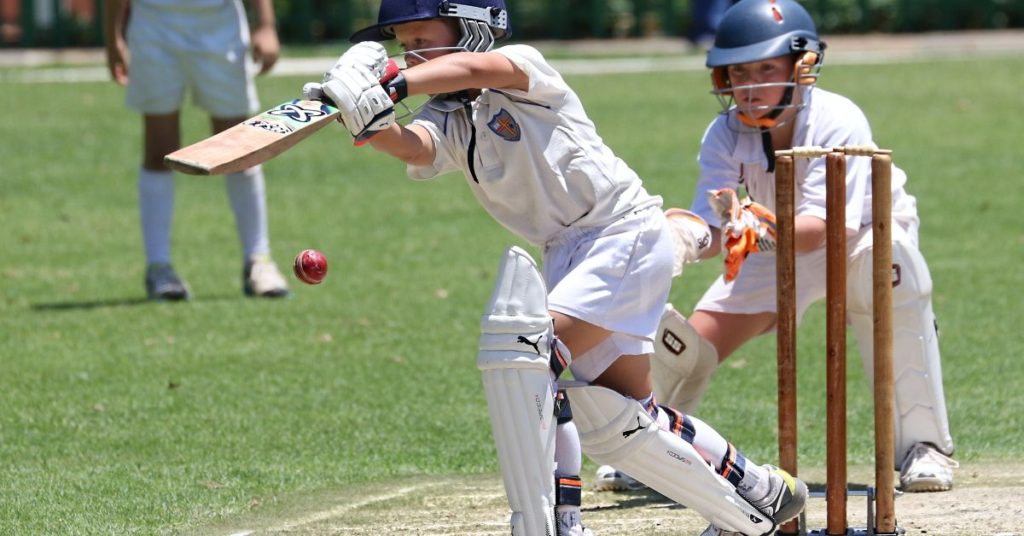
(156, 206)
(247, 194)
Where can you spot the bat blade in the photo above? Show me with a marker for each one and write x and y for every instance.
(253, 141)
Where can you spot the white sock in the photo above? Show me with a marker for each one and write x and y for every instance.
(754, 484)
(156, 210)
(568, 456)
(249, 204)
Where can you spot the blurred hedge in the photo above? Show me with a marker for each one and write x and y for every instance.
(318, 20)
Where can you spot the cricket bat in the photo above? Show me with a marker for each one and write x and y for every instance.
(255, 140)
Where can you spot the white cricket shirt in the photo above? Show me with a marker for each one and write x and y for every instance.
(731, 156)
(538, 166)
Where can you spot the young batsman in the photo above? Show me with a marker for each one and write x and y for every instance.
(508, 122)
(159, 49)
(764, 66)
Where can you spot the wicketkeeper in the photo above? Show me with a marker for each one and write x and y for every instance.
(764, 65)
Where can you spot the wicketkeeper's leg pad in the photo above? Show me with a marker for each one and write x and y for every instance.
(516, 342)
(682, 364)
(616, 430)
(920, 405)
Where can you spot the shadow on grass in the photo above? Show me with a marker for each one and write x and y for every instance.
(633, 499)
(122, 302)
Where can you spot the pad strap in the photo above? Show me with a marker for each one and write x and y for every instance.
(560, 358)
(570, 490)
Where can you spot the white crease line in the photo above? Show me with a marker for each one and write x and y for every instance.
(341, 509)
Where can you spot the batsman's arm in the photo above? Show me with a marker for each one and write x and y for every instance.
(411, 144)
(445, 74)
(465, 70)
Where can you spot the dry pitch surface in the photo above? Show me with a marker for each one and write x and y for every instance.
(987, 501)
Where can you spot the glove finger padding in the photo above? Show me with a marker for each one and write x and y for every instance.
(747, 227)
(365, 106)
(691, 236)
(726, 204)
(369, 55)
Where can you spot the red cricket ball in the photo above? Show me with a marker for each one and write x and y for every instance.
(310, 266)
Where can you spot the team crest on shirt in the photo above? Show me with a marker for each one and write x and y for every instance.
(504, 125)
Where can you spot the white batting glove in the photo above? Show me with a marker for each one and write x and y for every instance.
(369, 55)
(313, 91)
(365, 107)
(691, 235)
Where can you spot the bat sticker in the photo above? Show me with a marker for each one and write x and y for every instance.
(276, 128)
(297, 113)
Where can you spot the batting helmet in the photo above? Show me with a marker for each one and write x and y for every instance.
(755, 30)
(482, 22)
(758, 30)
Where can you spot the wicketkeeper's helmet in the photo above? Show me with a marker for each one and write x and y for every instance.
(482, 22)
(757, 30)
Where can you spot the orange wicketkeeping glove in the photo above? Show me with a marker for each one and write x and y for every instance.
(747, 227)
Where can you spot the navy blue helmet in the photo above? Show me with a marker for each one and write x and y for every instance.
(482, 22)
(759, 30)
(755, 30)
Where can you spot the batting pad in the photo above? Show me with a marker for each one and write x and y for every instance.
(920, 401)
(682, 364)
(615, 430)
(515, 344)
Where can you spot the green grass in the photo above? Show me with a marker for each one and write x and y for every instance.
(123, 416)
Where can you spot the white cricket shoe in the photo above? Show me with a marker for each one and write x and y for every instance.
(163, 283)
(925, 468)
(262, 278)
(571, 524)
(785, 500)
(609, 478)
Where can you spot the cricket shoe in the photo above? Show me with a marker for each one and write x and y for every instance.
(785, 500)
(925, 468)
(163, 283)
(262, 278)
(609, 478)
(571, 524)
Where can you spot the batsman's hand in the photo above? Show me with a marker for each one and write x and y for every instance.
(369, 55)
(747, 227)
(365, 106)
